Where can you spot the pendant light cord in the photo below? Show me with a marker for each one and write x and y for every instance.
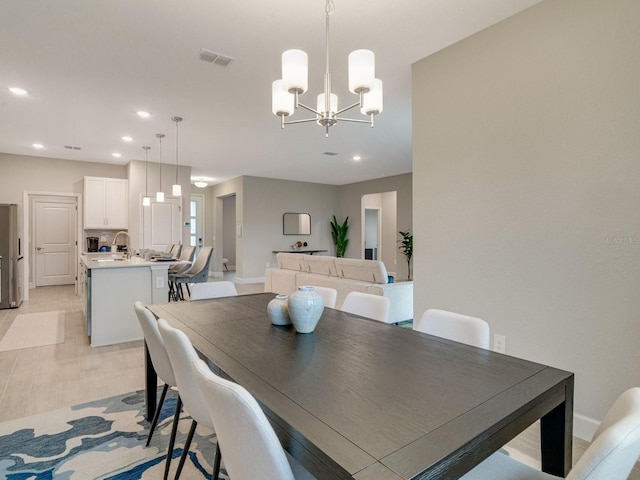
(146, 170)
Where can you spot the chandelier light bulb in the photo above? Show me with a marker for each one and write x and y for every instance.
(160, 197)
(372, 101)
(362, 70)
(176, 190)
(295, 71)
(282, 102)
(333, 104)
(146, 201)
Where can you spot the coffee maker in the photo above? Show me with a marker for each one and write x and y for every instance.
(92, 244)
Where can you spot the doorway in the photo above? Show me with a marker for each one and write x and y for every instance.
(371, 233)
(379, 229)
(229, 233)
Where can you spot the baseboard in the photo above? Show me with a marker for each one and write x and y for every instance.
(249, 280)
(216, 274)
(584, 427)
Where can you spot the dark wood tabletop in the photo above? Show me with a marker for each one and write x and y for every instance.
(367, 400)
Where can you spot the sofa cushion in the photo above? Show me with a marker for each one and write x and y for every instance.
(322, 265)
(363, 270)
(291, 261)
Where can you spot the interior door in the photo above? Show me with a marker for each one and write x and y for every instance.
(161, 224)
(55, 243)
(196, 221)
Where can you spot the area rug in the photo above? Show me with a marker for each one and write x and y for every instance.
(34, 330)
(104, 439)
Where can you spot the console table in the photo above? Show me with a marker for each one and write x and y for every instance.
(302, 250)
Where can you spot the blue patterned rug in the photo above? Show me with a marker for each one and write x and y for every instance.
(104, 439)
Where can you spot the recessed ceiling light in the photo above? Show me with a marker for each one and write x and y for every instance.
(357, 157)
(117, 155)
(143, 114)
(200, 183)
(37, 145)
(17, 91)
(127, 138)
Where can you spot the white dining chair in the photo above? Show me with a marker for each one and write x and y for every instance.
(182, 354)
(613, 452)
(251, 447)
(455, 326)
(162, 366)
(367, 305)
(329, 295)
(200, 291)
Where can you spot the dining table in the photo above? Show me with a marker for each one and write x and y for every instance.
(361, 399)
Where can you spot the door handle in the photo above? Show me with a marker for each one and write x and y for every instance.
(39, 248)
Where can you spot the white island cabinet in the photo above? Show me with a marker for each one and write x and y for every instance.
(112, 284)
(106, 204)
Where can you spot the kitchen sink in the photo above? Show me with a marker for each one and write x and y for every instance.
(109, 259)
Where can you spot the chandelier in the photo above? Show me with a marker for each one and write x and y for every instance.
(294, 82)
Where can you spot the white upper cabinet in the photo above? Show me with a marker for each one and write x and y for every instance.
(106, 203)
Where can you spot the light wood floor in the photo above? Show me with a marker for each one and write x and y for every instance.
(40, 379)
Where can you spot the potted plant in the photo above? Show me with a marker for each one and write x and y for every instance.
(339, 235)
(406, 247)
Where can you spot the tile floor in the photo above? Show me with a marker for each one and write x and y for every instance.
(40, 379)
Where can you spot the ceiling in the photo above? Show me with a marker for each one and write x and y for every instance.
(89, 65)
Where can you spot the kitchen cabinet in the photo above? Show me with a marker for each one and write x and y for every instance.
(106, 203)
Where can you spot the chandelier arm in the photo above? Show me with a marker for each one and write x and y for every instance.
(342, 110)
(300, 121)
(309, 108)
(354, 120)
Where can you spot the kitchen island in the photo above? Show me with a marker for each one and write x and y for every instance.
(111, 284)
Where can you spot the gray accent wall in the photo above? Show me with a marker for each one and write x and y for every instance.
(526, 189)
(350, 204)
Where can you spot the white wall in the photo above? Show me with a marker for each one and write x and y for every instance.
(526, 175)
(229, 229)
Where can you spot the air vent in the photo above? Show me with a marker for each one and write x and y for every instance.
(215, 58)
(331, 154)
(69, 147)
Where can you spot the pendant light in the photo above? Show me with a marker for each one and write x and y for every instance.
(160, 193)
(177, 188)
(146, 200)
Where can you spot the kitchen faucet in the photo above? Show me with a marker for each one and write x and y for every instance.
(116, 238)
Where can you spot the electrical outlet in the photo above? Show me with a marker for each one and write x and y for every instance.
(160, 282)
(499, 343)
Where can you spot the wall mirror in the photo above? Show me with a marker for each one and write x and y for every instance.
(296, 224)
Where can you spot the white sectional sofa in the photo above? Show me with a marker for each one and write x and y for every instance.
(343, 274)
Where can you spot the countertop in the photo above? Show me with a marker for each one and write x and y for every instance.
(118, 260)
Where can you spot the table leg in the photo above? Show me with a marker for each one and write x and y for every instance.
(150, 384)
(556, 436)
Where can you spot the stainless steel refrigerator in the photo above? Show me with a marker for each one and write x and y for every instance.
(10, 258)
